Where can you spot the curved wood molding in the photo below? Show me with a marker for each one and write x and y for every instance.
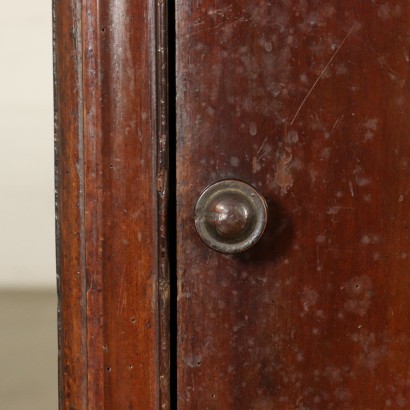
(111, 198)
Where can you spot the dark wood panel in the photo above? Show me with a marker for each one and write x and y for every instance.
(309, 102)
(110, 105)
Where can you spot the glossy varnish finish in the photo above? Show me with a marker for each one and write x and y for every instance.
(309, 101)
(111, 202)
(70, 208)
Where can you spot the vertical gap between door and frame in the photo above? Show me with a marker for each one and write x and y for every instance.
(166, 187)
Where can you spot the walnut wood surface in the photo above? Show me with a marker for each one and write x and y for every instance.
(309, 101)
(111, 202)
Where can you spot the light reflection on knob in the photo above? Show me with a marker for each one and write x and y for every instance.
(230, 216)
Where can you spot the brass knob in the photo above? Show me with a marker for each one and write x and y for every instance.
(230, 216)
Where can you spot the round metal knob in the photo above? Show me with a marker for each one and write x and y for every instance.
(230, 216)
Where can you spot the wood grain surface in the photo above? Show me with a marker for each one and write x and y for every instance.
(111, 204)
(308, 101)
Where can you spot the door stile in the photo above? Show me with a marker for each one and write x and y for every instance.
(111, 201)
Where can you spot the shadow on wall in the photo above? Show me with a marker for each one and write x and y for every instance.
(28, 350)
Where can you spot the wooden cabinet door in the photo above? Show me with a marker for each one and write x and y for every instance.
(307, 102)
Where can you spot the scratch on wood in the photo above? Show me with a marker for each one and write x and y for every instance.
(336, 124)
(321, 74)
(219, 26)
(123, 298)
(380, 58)
(263, 143)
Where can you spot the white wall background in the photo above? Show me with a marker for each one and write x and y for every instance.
(27, 256)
